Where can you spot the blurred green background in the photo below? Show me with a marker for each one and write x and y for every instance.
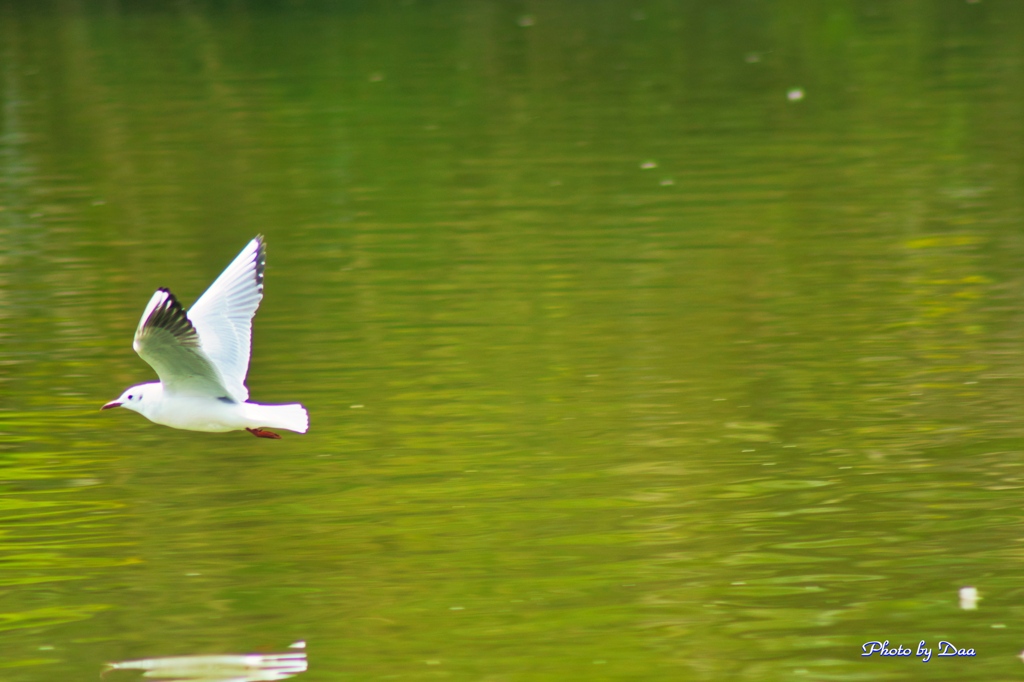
(642, 340)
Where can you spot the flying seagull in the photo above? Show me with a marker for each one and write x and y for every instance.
(202, 357)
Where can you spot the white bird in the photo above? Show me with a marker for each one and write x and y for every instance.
(202, 357)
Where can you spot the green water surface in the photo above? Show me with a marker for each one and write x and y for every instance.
(642, 340)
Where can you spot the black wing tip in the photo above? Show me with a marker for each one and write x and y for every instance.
(171, 302)
(261, 259)
(170, 315)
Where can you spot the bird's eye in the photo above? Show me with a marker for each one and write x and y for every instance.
(129, 397)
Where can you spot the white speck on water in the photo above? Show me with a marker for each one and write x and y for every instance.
(968, 598)
(667, 182)
(356, 407)
(457, 608)
(795, 94)
(648, 165)
(301, 644)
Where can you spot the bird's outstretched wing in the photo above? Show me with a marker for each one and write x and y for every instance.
(223, 316)
(167, 341)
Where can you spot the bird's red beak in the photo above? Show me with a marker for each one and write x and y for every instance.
(111, 404)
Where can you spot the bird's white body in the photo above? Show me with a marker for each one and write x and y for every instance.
(214, 415)
(202, 357)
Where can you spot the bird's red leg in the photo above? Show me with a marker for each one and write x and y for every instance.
(264, 433)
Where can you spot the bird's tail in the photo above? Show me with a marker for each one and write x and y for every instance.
(292, 417)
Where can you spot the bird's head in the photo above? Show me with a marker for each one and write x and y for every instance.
(137, 398)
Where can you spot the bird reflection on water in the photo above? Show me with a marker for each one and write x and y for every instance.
(218, 667)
